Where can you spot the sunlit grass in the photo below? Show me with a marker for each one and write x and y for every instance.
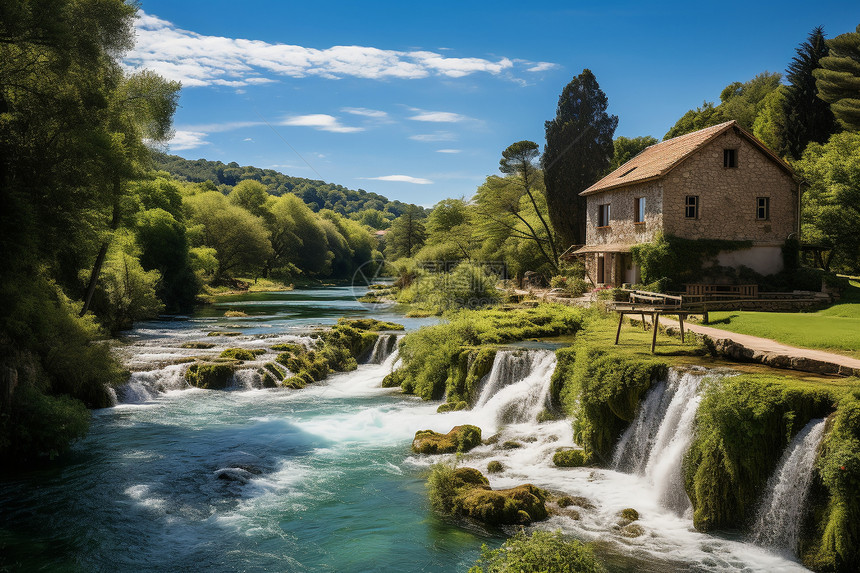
(836, 328)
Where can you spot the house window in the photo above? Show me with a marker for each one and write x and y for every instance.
(603, 215)
(762, 211)
(730, 157)
(639, 213)
(691, 207)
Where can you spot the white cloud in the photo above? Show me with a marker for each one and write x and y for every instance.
(436, 136)
(200, 60)
(363, 111)
(401, 179)
(447, 151)
(321, 121)
(439, 117)
(183, 140)
(542, 67)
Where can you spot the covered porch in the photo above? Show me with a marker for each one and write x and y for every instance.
(609, 264)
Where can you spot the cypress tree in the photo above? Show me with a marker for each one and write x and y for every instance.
(578, 150)
(807, 117)
(838, 78)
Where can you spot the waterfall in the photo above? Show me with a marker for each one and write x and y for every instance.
(517, 387)
(781, 512)
(655, 442)
(383, 347)
(144, 386)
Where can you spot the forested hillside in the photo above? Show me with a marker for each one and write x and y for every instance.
(317, 194)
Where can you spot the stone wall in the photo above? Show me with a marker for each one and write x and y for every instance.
(727, 196)
(621, 228)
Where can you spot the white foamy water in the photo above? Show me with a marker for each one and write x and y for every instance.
(782, 510)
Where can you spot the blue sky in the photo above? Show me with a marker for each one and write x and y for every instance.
(416, 101)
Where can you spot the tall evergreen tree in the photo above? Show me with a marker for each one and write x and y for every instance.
(807, 117)
(838, 78)
(578, 149)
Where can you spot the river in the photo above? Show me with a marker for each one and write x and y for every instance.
(319, 479)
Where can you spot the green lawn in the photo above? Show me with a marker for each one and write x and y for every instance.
(836, 328)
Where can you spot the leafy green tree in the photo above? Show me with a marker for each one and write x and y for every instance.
(450, 232)
(830, 213)
(739, 101)
(406, 236)
(769, 124)
(626, 148)
(164, 247)
(807, 117)
(838, 78)
(250, 195)
(509, 221)
(696, 119)
(240, 239)
(578, 150)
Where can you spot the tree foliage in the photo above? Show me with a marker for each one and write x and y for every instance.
(830, 213)
(406, 236)
(807, 117)
(578, 150)
(626, 148)
(838, 78)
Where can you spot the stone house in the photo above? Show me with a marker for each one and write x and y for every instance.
(717, 183)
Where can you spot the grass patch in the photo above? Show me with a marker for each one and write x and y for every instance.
(836, 328)
(538, 551)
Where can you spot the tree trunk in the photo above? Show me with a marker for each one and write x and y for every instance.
(100, 258)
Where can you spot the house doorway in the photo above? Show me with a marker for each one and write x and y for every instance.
(601, 269)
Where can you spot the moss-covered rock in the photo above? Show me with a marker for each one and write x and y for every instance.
(242, 353)
(495, 467)
(466, 492)
(197, 345)
(510, 445)
(223, 333)
(459, 439)
(287, 347)
(210, 375)
(632, 530)
(518, 505)
(393, 380)
(578, 501)
(569, 458)
(452, 407)
(627, 515)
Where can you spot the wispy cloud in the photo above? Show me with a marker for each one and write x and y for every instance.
(436, 136)
(438, 117)
(183, 140)
(363, 111)
(447, 151)
(200, 60)
(401, 179)
(542, 67)
(321, 121)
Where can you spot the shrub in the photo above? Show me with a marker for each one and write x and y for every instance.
(541, 551)
(210, 376)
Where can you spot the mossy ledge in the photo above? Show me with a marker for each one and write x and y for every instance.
(601, 390)
(451, 358)
(465, 492)
(335, 350)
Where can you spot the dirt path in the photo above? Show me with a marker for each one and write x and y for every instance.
(767, 346)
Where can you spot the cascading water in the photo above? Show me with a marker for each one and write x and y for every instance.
(517, 387)
(655, 443)
(383, 347)
(781, 512)
(144, 386)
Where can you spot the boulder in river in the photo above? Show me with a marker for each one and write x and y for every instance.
(459, 439)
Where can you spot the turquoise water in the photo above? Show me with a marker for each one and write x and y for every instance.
(320, 479)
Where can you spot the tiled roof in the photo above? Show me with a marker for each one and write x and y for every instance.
(657, 160)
